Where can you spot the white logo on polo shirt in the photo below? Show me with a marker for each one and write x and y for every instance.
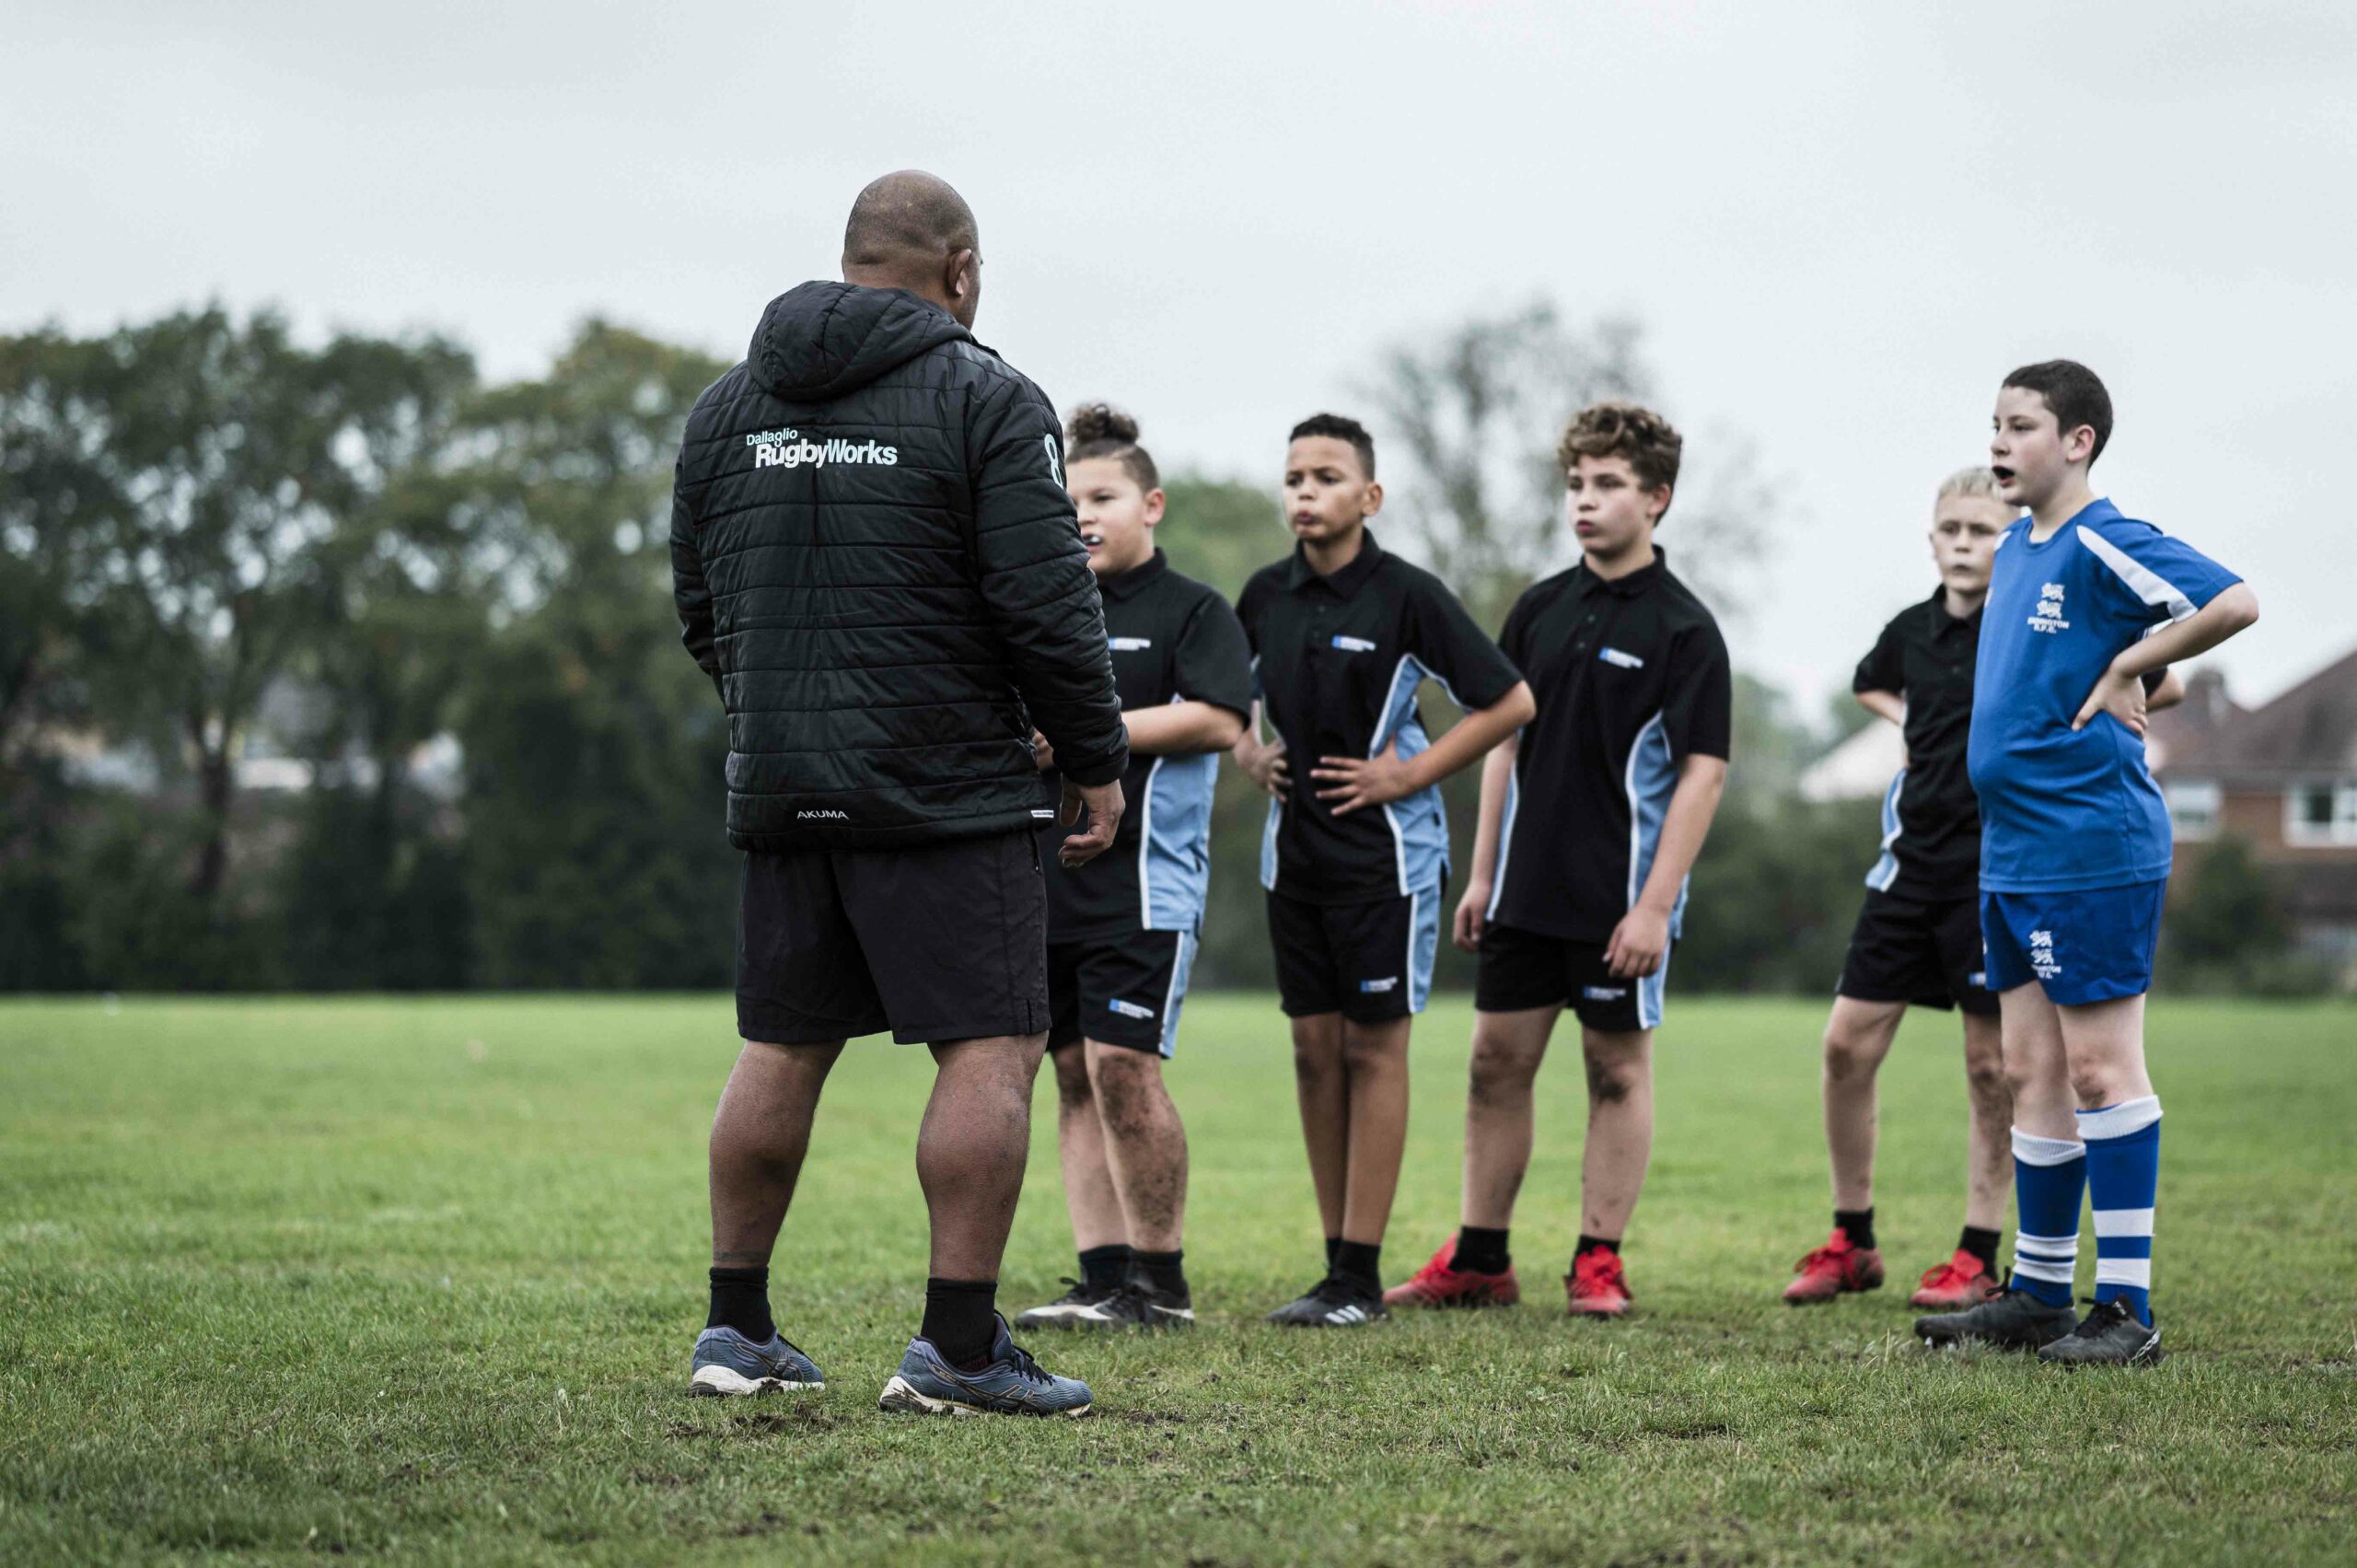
(1354, 645)
(1626, 661)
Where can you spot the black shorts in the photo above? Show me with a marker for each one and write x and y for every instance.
(1925, 951)
(1521, 969)
(1124, 990)
(935, 942)
(1370, 961)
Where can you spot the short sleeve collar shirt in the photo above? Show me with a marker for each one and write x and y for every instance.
(1931, 825)
(1339, 657)
(1631, 677)
(1173, 639)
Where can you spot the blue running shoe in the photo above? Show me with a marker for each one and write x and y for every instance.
(1013, 1384)
(729, 1362)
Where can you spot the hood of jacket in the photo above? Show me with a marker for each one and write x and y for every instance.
(822, 340)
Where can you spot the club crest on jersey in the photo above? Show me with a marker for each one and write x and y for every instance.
(1354, 645)
(787, 449)
(2048, 617)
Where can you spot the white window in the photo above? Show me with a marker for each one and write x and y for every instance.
(2193, 807)
(2321, 811)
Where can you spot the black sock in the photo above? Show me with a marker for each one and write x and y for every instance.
(1589, 1242)
(1102, 1268)
(1480, 1251)
(1981, 1244)
(1361, 1262)
(1858, 1225)
(1161, 1269)
(961, 1319)
(1333, 1247)
(741, 1300)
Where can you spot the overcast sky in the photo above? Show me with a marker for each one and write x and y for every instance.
(1840, 224)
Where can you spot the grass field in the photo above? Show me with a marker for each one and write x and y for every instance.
(417, 1280)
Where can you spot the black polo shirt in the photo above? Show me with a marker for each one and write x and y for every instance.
(1632, 679)
(1173, 640)
(1931, 820)
(1339, 659)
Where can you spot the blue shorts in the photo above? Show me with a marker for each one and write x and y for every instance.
(2093, 945)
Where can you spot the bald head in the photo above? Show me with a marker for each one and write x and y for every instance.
(912, 230)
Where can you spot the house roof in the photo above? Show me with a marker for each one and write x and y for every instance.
(2310, 729)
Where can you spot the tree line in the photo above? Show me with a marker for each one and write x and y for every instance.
(441, 605)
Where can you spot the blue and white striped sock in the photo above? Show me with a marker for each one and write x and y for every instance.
(2123, 1178)
(2049, 1178)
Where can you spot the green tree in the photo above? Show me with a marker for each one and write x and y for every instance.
(596, 854)
(192, 471)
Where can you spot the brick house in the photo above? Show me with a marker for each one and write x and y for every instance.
(2284, 779)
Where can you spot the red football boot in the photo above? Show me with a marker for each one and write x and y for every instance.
(1597, 1286)
(1438, 1284)
(1961, 1283)
(1835, 1269)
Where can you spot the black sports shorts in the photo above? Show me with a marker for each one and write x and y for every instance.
(1925, 951)
(1125, 990)
(935, 942)
(1370, 961)
(1521, 969)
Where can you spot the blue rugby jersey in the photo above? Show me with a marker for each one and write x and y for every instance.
(2062, 810)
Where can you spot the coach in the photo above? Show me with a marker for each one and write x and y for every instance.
(876, 561)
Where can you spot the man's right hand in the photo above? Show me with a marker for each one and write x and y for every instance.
(1104, 804)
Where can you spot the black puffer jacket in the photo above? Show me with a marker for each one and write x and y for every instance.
(875, 559)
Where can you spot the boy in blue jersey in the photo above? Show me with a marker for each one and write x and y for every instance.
(1121, 929)
(1356, 853)
(2074, 854)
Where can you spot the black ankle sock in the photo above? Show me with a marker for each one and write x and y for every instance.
(1588, 1241)
(1480, 1251)
(1102, 1268)
(1359, 1260)
(1163, 1270)
(1333, 1245)
(741, 1300)
(961, 1319)
(1858, 1225)
(1981, 1244)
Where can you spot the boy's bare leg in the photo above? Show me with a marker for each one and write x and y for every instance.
(1857, 1038)
(1499, 1111)
(1989, 1160)
(1620, 1128)
(1374, 1058)
(1322, 1088)
(1089, 1197)
(1143, 1142)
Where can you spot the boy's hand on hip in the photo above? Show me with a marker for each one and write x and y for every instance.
(1638, 943)
(2121, 696)
(1364, 781)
